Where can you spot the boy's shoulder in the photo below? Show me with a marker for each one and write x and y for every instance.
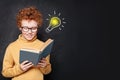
(39, 41)
(13, 43)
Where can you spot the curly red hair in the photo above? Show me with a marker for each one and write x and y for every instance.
(29, 13)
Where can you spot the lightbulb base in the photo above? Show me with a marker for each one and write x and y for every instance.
(48, 29)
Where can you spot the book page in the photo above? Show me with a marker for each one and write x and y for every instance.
(30, 50)
(46, 44)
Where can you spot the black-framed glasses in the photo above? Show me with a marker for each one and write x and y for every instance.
(26, 29)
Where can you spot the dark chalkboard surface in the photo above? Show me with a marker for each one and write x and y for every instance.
(82, 47)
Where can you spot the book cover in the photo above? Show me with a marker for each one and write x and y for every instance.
(35, 56)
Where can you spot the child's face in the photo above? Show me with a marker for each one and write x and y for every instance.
(29, 29)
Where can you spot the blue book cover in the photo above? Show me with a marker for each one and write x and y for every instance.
(35, 56)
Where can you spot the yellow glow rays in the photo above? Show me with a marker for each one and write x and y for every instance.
(54, 22)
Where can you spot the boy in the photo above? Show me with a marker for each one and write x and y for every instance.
(28, 20)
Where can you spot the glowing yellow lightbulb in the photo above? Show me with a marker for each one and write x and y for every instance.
(54, 23)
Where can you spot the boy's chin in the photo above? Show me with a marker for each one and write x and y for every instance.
(29, 39)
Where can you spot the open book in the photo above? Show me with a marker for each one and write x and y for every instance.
(35, 56)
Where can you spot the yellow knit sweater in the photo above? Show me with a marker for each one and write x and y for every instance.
(11, 65)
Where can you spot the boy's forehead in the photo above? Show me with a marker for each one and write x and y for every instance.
(29, 23)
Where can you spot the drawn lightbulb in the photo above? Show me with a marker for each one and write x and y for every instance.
(54, 23)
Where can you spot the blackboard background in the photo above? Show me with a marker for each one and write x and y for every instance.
(82, 49)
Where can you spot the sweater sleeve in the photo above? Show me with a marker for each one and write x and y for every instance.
(47, 69)
(9, 68)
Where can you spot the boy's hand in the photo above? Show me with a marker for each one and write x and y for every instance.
(42, 63)
(25, 65)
